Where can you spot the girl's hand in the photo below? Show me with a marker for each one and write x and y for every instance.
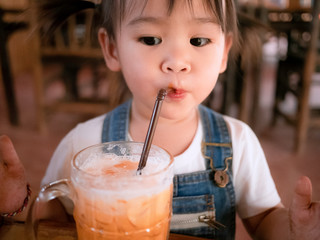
(304, 214)
(13, 181)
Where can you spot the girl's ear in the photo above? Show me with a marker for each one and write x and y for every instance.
(227, 47)
(109, 50)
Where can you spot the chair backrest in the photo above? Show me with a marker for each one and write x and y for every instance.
(313, 50)
(74, 38)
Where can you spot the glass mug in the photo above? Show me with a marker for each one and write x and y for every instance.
(112, 201)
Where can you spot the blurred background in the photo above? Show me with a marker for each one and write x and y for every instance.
(48, 85)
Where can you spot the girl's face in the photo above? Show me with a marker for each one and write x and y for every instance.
(183, 51)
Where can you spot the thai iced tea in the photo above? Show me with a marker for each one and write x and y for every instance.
(112, 202)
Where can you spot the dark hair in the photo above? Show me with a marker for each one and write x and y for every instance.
(223, 10)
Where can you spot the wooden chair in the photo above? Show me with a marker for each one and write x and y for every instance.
(8, 28)
(296, 74)
(71, 47)
(238, 91)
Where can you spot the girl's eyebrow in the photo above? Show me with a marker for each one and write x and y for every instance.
(140, 20)
(205, 20)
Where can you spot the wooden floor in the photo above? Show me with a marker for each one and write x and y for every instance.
(35, 149)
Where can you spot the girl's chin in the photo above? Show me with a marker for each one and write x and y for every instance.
(176, 112)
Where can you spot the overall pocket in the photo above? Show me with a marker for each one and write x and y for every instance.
(194, 215)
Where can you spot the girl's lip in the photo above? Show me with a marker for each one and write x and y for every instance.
(176, 94)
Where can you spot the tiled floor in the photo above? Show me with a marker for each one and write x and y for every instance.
(35, 149)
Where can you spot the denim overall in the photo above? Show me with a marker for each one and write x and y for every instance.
(201, 207)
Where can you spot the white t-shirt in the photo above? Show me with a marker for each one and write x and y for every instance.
(254, 187)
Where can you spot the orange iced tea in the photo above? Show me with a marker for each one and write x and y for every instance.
(113, 202)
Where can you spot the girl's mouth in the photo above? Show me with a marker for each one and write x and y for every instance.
(175, 94)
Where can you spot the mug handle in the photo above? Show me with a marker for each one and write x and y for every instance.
(59, 188)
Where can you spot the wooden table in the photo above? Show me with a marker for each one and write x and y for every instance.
(48, 230)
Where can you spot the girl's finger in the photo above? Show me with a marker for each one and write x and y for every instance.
(8, 154)
(302, 198)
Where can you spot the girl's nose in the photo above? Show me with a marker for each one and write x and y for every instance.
(175, 66)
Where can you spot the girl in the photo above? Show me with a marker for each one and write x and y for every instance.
(219, 167)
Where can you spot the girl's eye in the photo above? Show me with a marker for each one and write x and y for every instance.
(199, 42)
(150, 41)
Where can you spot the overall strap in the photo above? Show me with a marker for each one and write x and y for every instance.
(217, 150)
(216, 145)
(116, 124)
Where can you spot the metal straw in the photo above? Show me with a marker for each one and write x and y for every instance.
(152, 126)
